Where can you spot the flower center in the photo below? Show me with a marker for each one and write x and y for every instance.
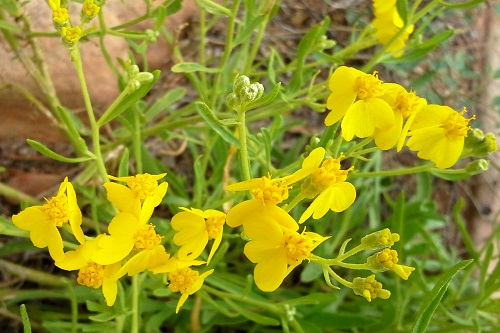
(408, 102)
(142, 185)
(368, 86)
(146, 238)
(60, 15)
(57, 209)
(182, 279)
(297, 247)
(271, 192)
(388, 258)
(91, 275)
(457, 125)
(214, 225)
(90, 8)
(70, 34)
(329, 173)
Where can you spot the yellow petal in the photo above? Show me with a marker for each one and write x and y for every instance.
(342, 85)
(109, 285)
(189, 221)
(244, 185)
(30, 218)
(80, 257)
(270, 273)
(310, 163)
(388, 138)
(251, 209)
(181, 302)
(152, 201)
(123, 198)
(75, 215)
(214, 248)
(430, 116)
(199, 282)
(258, 251)
(265, 229)
(194, 248)
(343, 196)
(54, 241)
(135, 265)
(364, 116)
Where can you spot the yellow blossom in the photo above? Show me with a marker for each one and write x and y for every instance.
(141, 195)
(186, 281)
(379, 239)
(90, 9)
(60, 16)
(438, 134)
(369, 288)
(388, 259)
(194, 229)
(71, 34)
(126, 235)
(405, 105)
(388, 23)
(248, 210)
(356, 97)
(90, 273)
(269, 191)
(276, 250)
(43, 221)
(326, 182)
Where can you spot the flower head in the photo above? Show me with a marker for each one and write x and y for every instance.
(247, 211)
(141, 195)
(328, 184)
(276, 250)
(388, 23)
(379, 239)
(269, 191)
(194, 229)
(89, 10)
(438, 134)
(186, 281)
(90, 273)
(356, 96)
(43, 221)
(60, 15)
(71, 35)
(369, 288)
(388, 259)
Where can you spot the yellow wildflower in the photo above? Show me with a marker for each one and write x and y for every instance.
(327, 183)
(71, 34)
(356, 97)
(438, 134)
(269, 191)
(90, 9)
(60, 16)
(247, 211)
(388, 23)
(369, 288)
(43, 221)
(141, 195)
(405, 105)
(388, 259)
(186, 281)
(194, 229)
(127, 234)
(380, 239)
(90, 273)
(276, 250)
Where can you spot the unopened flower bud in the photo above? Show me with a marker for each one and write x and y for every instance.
(478, 144)
(89, 11)
(379, 239)
(71, 35)
(152, 35)
(369, 288)
(144, 77)
(233, 102)
(240, 82)
(476, 167)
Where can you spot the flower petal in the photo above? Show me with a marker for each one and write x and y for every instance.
(251, 209)
(270, 273)
(75, 215)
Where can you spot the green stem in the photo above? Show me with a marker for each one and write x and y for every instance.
(242, 133)
(77, 60)
(136, 139)
(31, 274)
(337, 277)
(12, 193)
(395, 172)
(135, 303)
(294, 202)
(228, 47)
(244, 299)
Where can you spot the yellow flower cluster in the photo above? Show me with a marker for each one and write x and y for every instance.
(62, 22)
(389, 114)
(131, 244)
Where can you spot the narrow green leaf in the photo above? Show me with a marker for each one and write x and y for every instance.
(213, 8)
(255, 317)
(164, 102)
(26, 319)
(402, 7)
(245, 32)
(434, 297)
(216, 124)
(189, 67)
(55, 156)
(10, 26)
(266, 99)
(124, 163)
(117, 109)
(462, 5)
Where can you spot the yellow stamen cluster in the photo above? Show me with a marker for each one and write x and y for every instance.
(368, 86)
(71, 34)
(147, 238)
(90, 9)
(182, 279)
(457, 125)
(329, 173)
(297, 247)
(60, 15)
(408, 102)
(214, 225)
(388, 257)
(369, 288)
(91, 275)
(57, 209)
(143, 185)
(270, 192)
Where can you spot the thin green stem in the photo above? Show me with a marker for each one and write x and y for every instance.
(395, 172)
(337, 277)
(228, 48)
(294, 202)
(32, 275)
(242, 133)
(137, 141)
(12, 193)
(243, 299)
(77, 60)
